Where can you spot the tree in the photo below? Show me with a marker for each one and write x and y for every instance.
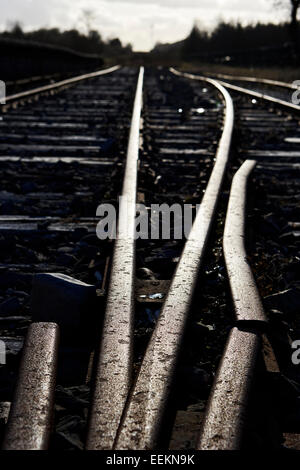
(294, 6)
(16, 30)
(115, 43)
(195, 43)
(294, 22)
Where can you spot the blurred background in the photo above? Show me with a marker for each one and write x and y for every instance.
(62, 37)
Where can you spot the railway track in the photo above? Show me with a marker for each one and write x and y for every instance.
(259, 86)
(146, 334)
(51, 156)
(22, 84)
(15, 86)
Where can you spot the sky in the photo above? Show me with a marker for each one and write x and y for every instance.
(143, 23)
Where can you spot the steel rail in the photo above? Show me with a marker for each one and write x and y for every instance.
(227, 406)
(246, 91)
(262, 96)
(226, 414)
(61, 83)
(114, 369)
(35, 78)
(30, 419)
(265, 81)
(147, 404)
(245, 295)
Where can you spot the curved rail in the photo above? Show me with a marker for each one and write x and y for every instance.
(227, 407)
(264, 81)
(147, 404)
(246, 298)
(113, 376)
(261, 96)
(61, 83)
(246, 91)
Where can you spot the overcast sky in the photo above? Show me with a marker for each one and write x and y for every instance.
(140, 22)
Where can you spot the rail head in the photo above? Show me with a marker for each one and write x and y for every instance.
(226, 413)
(245, 295)
(114, 367)
(30, 420)
(147, 404)
(224, 421)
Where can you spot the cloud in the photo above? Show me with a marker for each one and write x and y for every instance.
(171, 3)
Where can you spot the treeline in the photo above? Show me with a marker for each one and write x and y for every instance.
(233, 42)
(90, 43)
(227, 37)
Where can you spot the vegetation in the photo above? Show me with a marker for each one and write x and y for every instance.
(232, 42)
(293, 7)
(91, 42)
